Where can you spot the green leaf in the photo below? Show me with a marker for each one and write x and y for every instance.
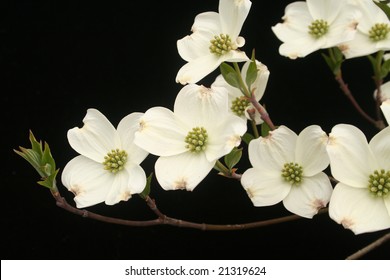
(252, 71)
(230, 75)
(384, 7)
(232, 158)
(40, 157)
(247, 137)
(145, 193)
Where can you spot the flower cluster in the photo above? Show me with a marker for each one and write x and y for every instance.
(209, 123)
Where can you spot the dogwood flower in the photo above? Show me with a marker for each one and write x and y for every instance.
(361, 199)
(190, 139)
(315, 24)
(214, 39)
(238, 104)
(288, 168)
(107, 168)
(372, 31)
(386, 110)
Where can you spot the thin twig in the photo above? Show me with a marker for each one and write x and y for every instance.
(369, 247)
(165, 220)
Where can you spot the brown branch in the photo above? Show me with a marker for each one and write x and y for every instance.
(165, 220)
(369, 247)
(345, 89)
(263, 113)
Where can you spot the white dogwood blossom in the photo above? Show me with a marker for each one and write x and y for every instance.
(315, 24)
(238, 103)
(108, 167)
(361, 199)
(190, 139)
(214, 39)
(372, 31)
(288, 168)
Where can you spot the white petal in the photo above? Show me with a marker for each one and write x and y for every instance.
(197, 69)
(160, 133)
(195, 45)
(311, 150)
(234, 56)
(386, 110)
(310, 196)
(95, 138)
(351, 160)
(233, 15)
(302, 46)
(88, 180)
(198, 105)
(184, 171)
(357, 210)
(264, 188)
(273, 151)
(380, 145)
(224, 136)
(126, 130)
(127, 182)
(361, 45)
(208, 22)
(324, 9)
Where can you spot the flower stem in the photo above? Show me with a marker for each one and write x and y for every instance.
(369, 247)
(348, 94)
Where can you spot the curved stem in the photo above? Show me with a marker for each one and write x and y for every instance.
(162, 219)
(369, 247)
(348, 94)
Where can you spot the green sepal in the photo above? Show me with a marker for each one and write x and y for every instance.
(251, 73)
(230, 75)
(145, 193)
(49, 182)
(40, 157)
(335, 61)
(385, 68)
(265, 129)
(247, 137)
(232, 158)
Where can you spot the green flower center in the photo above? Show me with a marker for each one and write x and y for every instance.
(379, 32)
(239, 105)
(221, 44)
(379, 183)
(115, 160)
(292, 173)
(318, 28)
(196, 139)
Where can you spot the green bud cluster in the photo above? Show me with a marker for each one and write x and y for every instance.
(292, 173)
(379, 183)
(221, 44)
(239, 105)
(196, 139)
(115, 160)
(379, 32)
(318, 28)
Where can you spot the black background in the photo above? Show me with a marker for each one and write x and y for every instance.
(59, 58)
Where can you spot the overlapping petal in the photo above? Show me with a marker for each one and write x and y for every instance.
(95, 138)
(310, 196)
(357, 210)
(380, 146)
(386, 110)
(311, 150)
(183, 171)
(351, 159)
